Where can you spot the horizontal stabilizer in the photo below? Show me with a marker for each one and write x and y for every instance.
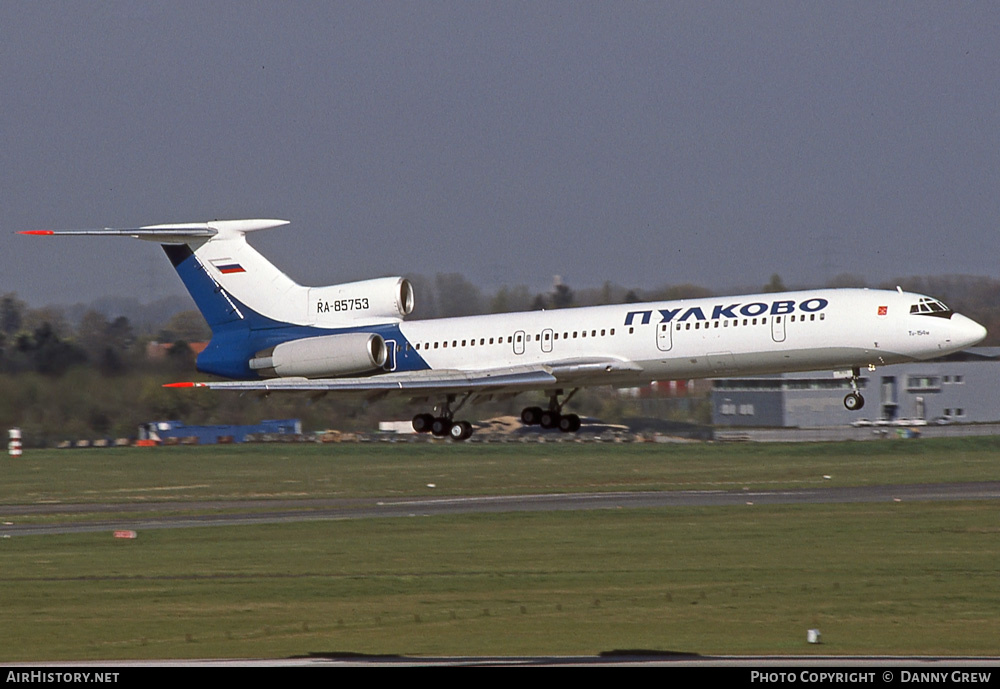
(177, 232)
(137, 232)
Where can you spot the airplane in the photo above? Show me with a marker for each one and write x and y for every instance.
(270, 334)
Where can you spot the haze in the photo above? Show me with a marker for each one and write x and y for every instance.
(638, 143)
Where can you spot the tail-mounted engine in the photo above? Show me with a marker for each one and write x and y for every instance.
(321, 357)
(368, 299)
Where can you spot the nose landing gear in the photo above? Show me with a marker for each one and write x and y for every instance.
(854, 401)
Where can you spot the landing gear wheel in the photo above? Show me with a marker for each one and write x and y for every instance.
(569, 423)
(531, 416)
(549, 419)
(441, 427)
(461, 430)
(854, 401)
(422, 423)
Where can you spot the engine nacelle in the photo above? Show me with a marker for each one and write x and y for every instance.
(325, 356)
(379, 298)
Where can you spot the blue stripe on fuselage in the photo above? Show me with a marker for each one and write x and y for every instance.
(230, 351)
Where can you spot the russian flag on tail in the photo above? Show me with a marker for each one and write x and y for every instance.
(227, 266)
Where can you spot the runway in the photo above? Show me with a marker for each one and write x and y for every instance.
(175, 515)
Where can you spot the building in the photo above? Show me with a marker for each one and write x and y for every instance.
(960, 388)
(175, 431)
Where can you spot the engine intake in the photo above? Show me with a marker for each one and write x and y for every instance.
(325, 356)
(379, 298)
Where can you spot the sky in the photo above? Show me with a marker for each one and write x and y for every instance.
(645, 144)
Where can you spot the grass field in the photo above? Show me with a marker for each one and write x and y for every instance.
(894, 578)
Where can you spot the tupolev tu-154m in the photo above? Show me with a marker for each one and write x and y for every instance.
(270, 334)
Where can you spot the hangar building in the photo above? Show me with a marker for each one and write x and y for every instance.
(960, 388)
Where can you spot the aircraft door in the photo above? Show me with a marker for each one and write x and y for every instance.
(519, 342)
(664, 337)
(547, 340)
(390, 359)
(778, 328)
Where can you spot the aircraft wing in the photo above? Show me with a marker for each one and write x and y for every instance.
(432, 382)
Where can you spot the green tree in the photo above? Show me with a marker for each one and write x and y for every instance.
(48, 353)
(562, 297)
(456, 296)
(11, 313)
(775, 285)
(189, 326)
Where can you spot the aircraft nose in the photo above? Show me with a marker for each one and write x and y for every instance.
(967, 331)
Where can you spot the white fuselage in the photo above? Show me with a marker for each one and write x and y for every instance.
(763, 333)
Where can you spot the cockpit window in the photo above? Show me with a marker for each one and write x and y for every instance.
(930, 307)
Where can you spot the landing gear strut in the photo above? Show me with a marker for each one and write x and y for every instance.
(854, 401)
(443, 425)
(553, 416)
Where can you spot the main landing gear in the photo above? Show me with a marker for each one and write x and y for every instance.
(854, 401)
(553, 416)
(443, 425)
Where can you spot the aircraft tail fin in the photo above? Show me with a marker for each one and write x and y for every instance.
(232, 284)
